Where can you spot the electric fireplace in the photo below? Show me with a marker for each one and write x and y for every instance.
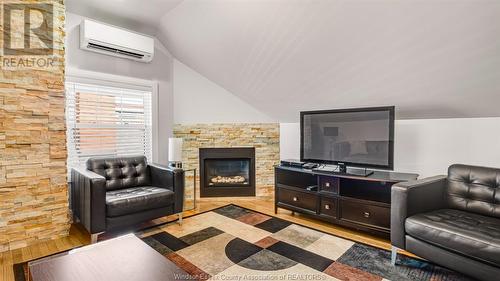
(227, 172)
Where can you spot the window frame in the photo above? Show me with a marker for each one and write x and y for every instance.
(109, 80)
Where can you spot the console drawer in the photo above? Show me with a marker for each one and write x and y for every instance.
(328, 207)
(329, 184)
(371, 215)
(297, 199)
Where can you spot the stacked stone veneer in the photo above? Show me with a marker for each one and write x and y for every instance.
(33, 189)
(263, 136)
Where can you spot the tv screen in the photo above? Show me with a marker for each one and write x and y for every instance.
(361, 137)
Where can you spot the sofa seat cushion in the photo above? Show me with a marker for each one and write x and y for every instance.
(136, 199)
(469, 234)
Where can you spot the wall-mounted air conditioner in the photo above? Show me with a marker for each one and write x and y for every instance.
(115, 41)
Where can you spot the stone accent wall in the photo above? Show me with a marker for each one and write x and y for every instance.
(33, 189)
(263, 136)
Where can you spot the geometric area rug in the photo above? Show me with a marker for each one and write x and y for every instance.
(237, 244)
(234, 243)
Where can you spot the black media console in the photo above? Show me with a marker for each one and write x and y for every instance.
(358, 202)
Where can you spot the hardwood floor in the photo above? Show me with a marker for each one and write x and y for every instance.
(79, 237)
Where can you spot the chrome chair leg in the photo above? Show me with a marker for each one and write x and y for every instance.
(394, 255)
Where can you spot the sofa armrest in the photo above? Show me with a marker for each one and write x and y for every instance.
(414, 197)
(172, 179)
(89, 199)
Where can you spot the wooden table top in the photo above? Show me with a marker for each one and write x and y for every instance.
(126, 258)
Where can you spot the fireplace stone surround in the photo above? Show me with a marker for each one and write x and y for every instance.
(263, 136)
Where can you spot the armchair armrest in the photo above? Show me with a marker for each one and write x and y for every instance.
(172, 179)
(89, 199)
(414, 197)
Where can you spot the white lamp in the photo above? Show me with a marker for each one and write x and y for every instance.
(175, 152)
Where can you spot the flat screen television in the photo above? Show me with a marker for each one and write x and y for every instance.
(358, 137)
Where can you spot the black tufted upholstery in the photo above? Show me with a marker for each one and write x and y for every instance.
(467, 233)
(113, 193)
(123, 172)
(132, 200)
(474, 189)
(451, 220)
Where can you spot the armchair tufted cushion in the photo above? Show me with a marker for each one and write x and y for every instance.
(466, 233)
(121, 172)
(137, 199)
(474, 189)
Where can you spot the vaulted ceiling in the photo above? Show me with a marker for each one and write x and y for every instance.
(140, 15)
(430, 58)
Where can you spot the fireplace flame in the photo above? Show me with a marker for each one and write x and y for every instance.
(231, 179)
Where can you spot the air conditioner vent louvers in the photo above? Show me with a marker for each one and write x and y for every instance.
(114, 50)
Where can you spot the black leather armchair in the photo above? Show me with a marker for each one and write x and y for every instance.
(116, 192)
(451, 220)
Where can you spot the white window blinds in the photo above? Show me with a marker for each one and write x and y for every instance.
(107, 121)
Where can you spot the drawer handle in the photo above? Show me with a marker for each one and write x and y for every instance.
(366, 214)
(295, 199)
(327, 207)
(327, 184)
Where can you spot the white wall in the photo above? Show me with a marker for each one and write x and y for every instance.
(199, 100)
(289, 141)
(160, 70)
(427, 146)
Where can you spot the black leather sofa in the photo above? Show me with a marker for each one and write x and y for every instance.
(113, 193)
(453, 221)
